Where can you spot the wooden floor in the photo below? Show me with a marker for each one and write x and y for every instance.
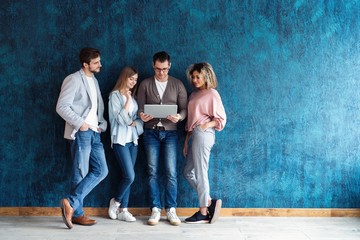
(237, 228)
(225, 212)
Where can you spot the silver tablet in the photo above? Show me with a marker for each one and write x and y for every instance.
(160, 110)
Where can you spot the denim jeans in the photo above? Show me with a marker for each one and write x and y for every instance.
(164, 144)
(126, 158)
(89, 167)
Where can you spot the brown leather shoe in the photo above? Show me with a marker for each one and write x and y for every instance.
(83, 220)
(67, 212)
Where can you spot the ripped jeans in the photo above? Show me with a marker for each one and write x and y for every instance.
(89, 167)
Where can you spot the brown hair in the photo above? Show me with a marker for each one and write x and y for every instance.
(87, 53)
(161, 57)
(125, 73)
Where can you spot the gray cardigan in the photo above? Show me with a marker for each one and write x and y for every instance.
(175, 93)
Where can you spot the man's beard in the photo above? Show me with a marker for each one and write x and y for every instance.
(96, 70)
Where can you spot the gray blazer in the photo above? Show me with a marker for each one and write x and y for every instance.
(74, 103)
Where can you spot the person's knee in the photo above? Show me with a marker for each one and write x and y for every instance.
(186, 174)
(103, 172)
(171, 171)
(152, 170)
(172, 175)
(129, 179)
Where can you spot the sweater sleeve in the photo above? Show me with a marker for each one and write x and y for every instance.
(117, 109)
(218, 113)
(141, 97)
(182, 100)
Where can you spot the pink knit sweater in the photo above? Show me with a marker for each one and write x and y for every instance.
(205, 106)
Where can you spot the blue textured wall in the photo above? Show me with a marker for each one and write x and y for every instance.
(288, 74)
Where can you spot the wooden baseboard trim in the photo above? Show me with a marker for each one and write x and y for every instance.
(225, 212)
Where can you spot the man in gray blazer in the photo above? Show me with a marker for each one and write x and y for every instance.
(81, 106)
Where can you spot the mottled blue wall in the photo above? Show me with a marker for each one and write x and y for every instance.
(288, 73)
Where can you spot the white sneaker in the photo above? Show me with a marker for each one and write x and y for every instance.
(113, 208)
(172, 217)
(155, 216)
(126, 216)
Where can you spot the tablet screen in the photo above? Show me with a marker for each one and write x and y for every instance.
(160, 110)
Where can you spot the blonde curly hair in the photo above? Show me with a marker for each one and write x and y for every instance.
(208, 72)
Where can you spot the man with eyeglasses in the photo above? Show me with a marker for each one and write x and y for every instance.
(160, 135)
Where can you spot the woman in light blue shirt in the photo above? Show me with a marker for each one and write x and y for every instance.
(125, 127)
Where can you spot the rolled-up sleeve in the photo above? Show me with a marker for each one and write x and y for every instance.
(219, 114)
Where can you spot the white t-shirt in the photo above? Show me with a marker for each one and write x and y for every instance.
(161, 89)
(92, 118)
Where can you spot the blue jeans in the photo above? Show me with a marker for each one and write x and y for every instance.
(89, 167)
(164, 144)
(126, 158)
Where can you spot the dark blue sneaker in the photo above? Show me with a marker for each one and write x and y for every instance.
(214, 209)
(198, 218)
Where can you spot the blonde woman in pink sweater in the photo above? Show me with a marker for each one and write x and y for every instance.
(206, 114)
